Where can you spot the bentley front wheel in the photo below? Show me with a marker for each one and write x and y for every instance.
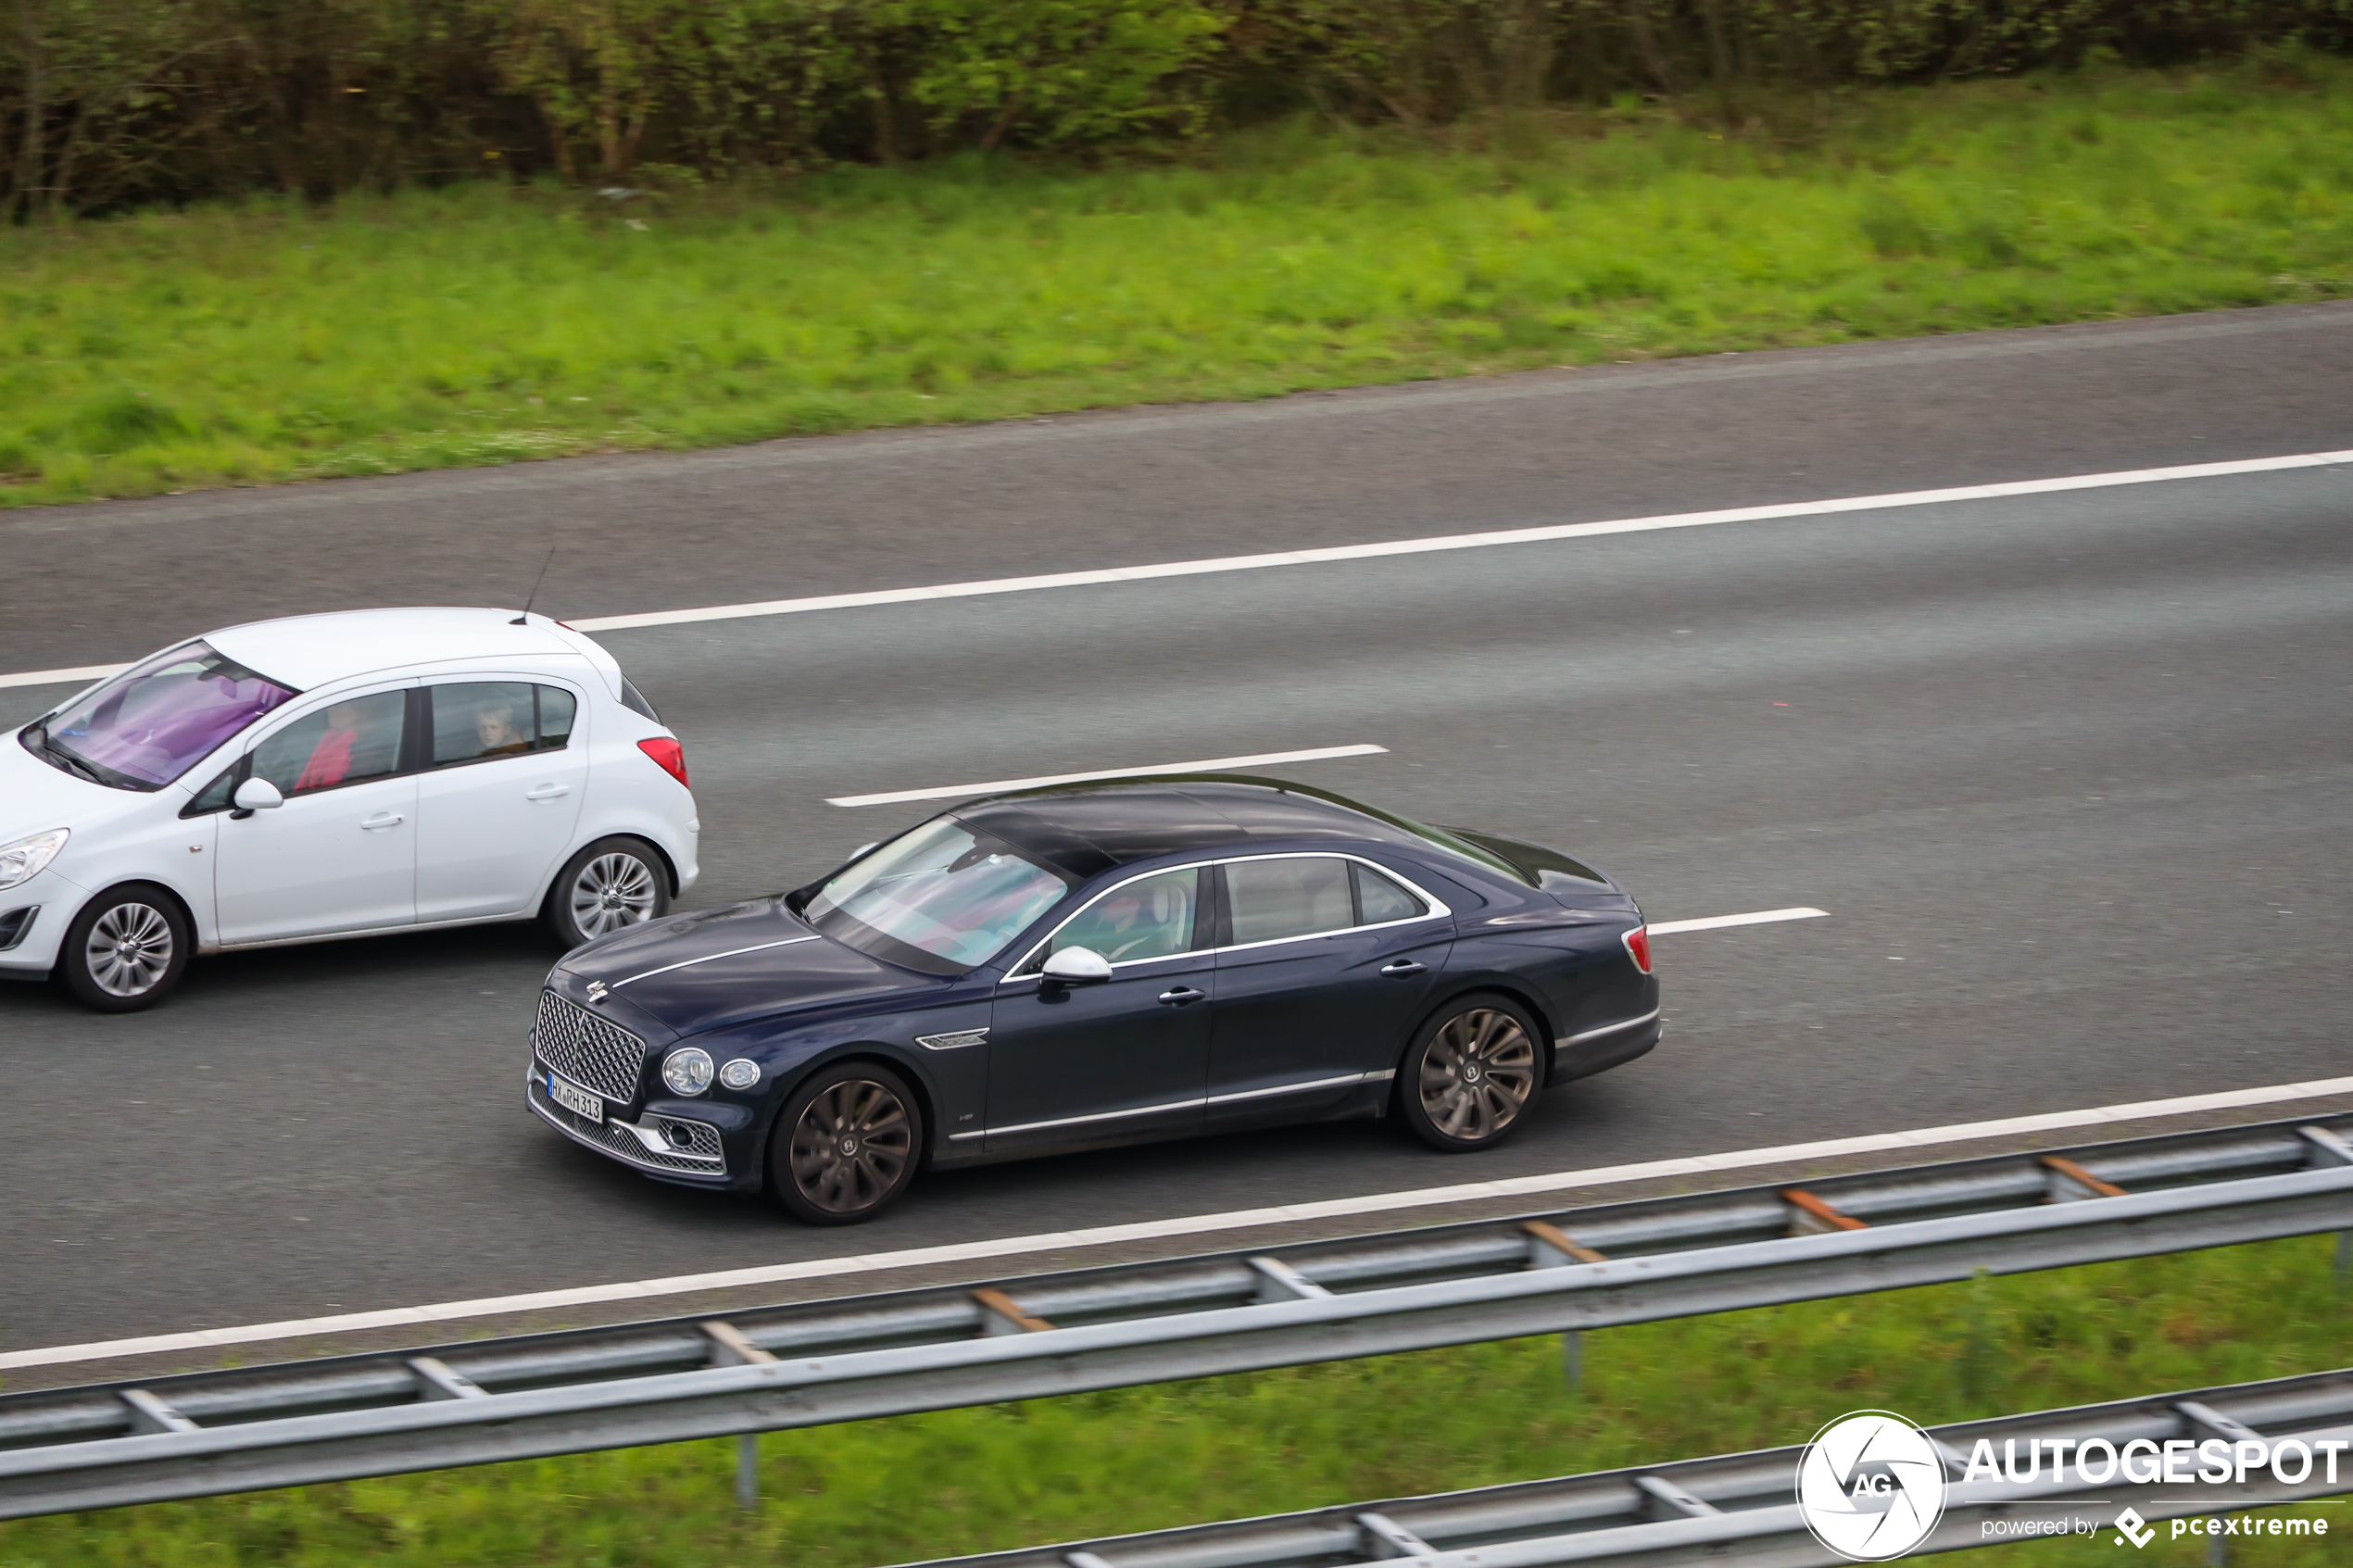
(845, 1145)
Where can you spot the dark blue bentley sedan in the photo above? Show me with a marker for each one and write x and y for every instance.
(1092, 964)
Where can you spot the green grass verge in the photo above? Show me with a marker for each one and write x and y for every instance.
(972, 1480)
(484, 323)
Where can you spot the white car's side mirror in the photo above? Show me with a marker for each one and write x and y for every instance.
(1077, 966)
(257, 795)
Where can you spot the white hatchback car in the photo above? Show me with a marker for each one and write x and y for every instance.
(335, 775)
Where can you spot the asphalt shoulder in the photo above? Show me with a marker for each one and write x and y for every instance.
(637, 534)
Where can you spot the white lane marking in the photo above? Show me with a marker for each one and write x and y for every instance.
(1717, 923)
(1209, 765)
(1197, 1225)
(1392, 547)
(1474, 541)
(82, 675)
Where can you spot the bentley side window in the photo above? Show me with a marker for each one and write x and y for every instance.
(1154, 917)
(1379, 900)
(1294, 895)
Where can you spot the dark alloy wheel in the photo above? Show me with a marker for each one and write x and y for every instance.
(846, 1144)
(613, 882)
(127, 948)
(1469, 1074)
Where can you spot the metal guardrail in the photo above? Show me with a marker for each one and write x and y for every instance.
(1742, 1507)
(940, 1348)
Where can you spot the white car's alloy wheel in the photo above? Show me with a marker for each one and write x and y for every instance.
(129, 950)
(612, 890)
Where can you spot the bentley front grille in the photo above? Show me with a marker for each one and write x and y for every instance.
(593, 1052)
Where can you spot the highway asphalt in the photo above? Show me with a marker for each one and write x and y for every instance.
(2070, 773)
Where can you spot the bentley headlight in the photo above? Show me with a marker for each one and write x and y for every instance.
(22, 860)
(687, 1071)
(741, 1074)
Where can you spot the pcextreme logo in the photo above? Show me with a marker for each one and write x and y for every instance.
(1871, 1486)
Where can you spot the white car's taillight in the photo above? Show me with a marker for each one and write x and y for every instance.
(668, 753)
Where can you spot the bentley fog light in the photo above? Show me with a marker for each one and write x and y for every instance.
(687, 1071)
(22, 860)
(741, 1074)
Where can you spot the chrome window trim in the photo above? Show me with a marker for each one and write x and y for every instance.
(713, 958)
(1583, 1036)
(1344, 1079)
(1438, 910)
(1043, 942)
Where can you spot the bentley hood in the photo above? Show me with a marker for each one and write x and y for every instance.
(720, 967)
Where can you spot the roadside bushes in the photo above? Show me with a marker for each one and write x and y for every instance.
(111, 103)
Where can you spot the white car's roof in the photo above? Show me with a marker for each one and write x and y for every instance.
(307, 651)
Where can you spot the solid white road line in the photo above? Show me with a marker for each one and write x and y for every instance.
(1717, 923)
(1209, 765)
(1393, 548)
(82, 675)
(1198, 1225)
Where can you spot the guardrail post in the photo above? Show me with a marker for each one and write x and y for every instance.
(2328, 1150)
(1002, 1314)
(2065, 1181)
(1549, 1247)
(1809, 1215)
(729, 1348)
(1385, 1538)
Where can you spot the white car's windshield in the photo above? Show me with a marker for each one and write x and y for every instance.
(941, 898)
(152, 722)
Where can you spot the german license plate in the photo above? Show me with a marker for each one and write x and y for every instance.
(580, 1103)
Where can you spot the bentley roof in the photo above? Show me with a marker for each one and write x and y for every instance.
(1086, 829)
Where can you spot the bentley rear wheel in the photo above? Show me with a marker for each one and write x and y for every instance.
(1470, 1074)
(845, 1145)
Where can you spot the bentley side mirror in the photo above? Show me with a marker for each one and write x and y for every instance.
(1076, 966)
(256, 795)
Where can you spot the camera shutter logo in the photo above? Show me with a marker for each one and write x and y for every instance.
(1871, 1486)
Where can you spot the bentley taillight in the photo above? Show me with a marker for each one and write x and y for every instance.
(1638, 946)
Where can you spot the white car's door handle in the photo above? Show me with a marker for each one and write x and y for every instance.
(382, 820)
(547, 792)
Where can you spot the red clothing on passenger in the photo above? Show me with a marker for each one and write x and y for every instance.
(330, 761)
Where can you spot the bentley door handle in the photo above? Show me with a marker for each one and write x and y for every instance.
(382, 820)
(1399, 968)
(1183, 996)
(547, 792)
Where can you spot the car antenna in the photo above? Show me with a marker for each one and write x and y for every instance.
(525, 618)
